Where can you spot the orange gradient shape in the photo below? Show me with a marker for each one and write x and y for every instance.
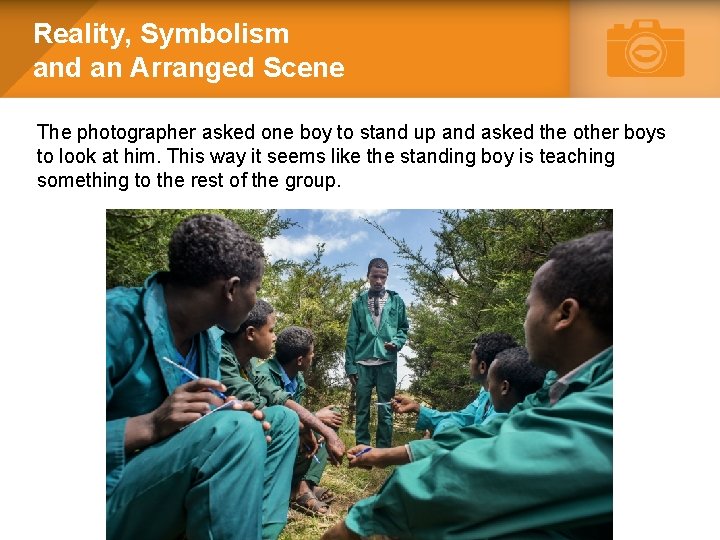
(387, 49)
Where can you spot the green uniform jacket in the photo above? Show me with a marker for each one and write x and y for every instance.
(137, 381)
(474, 414)
(541, 467)
(272, 370)
(365, 341)
(261, 390)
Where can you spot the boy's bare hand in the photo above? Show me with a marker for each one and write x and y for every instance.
(336, 449)
(308, 442)
(329, 417)
(340, 532)
(186, 404)
(377, 457)
(403, 403)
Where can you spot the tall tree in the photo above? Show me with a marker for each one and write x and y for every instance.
(477, 282)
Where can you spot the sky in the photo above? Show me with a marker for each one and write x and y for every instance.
(349, 239)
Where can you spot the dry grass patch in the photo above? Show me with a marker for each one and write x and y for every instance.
(349, 486)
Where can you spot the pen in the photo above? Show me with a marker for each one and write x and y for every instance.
(314, 456)
(194, 377)
(363, 451)
(378, 403)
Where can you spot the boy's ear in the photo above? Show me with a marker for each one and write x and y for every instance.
(250, 333)
(482, 367)
(230, 288)
(567, 313)
(504, 388)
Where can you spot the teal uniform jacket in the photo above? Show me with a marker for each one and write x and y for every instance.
(137, 380)
(252, 384)
(365, 341)
(272, 370)
(186, 482)
(474, 414)
(542, 467)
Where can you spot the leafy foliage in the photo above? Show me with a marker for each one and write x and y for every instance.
(477, 282)
(313, 295)
(137, 240)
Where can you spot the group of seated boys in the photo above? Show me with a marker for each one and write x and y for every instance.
(180, 463)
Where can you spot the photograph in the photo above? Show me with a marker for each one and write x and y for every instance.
(411, 350)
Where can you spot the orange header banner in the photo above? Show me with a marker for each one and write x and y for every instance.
(457, 48)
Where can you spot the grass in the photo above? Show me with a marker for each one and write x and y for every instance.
(349, 485)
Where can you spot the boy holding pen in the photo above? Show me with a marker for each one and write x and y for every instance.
(168, 475)
(280, 382)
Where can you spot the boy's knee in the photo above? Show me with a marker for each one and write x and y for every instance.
(282, 419)
(235, 427)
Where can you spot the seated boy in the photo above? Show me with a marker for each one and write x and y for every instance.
(512, 377)
(166, 474)
(486, 348)
(248, 380)
(294, 353)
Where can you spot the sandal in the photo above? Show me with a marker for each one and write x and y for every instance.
(309, 504)
(324, 494)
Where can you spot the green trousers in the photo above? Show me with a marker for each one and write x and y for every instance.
(383, 378)
(310, 469)
(307, 468)
(216, 479)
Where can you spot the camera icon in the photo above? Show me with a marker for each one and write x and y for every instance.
(645, 50)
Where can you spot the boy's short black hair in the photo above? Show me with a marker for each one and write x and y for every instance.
(487, 346)
(257, 318)
(205, 247)
(378, 263)
(514, 365)
(292, 342)
(582, 269)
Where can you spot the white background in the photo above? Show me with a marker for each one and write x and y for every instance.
(663, 196)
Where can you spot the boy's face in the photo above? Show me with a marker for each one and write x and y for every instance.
(377, 278)
(477, 372)
(243, 300)
(537, 325)
(499, 391)
(307, 360)
(264, 338)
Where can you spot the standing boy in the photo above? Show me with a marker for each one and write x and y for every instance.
(167, 475)
(377, 330)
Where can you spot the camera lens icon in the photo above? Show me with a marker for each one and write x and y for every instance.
(646, 53)
(645, 49)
